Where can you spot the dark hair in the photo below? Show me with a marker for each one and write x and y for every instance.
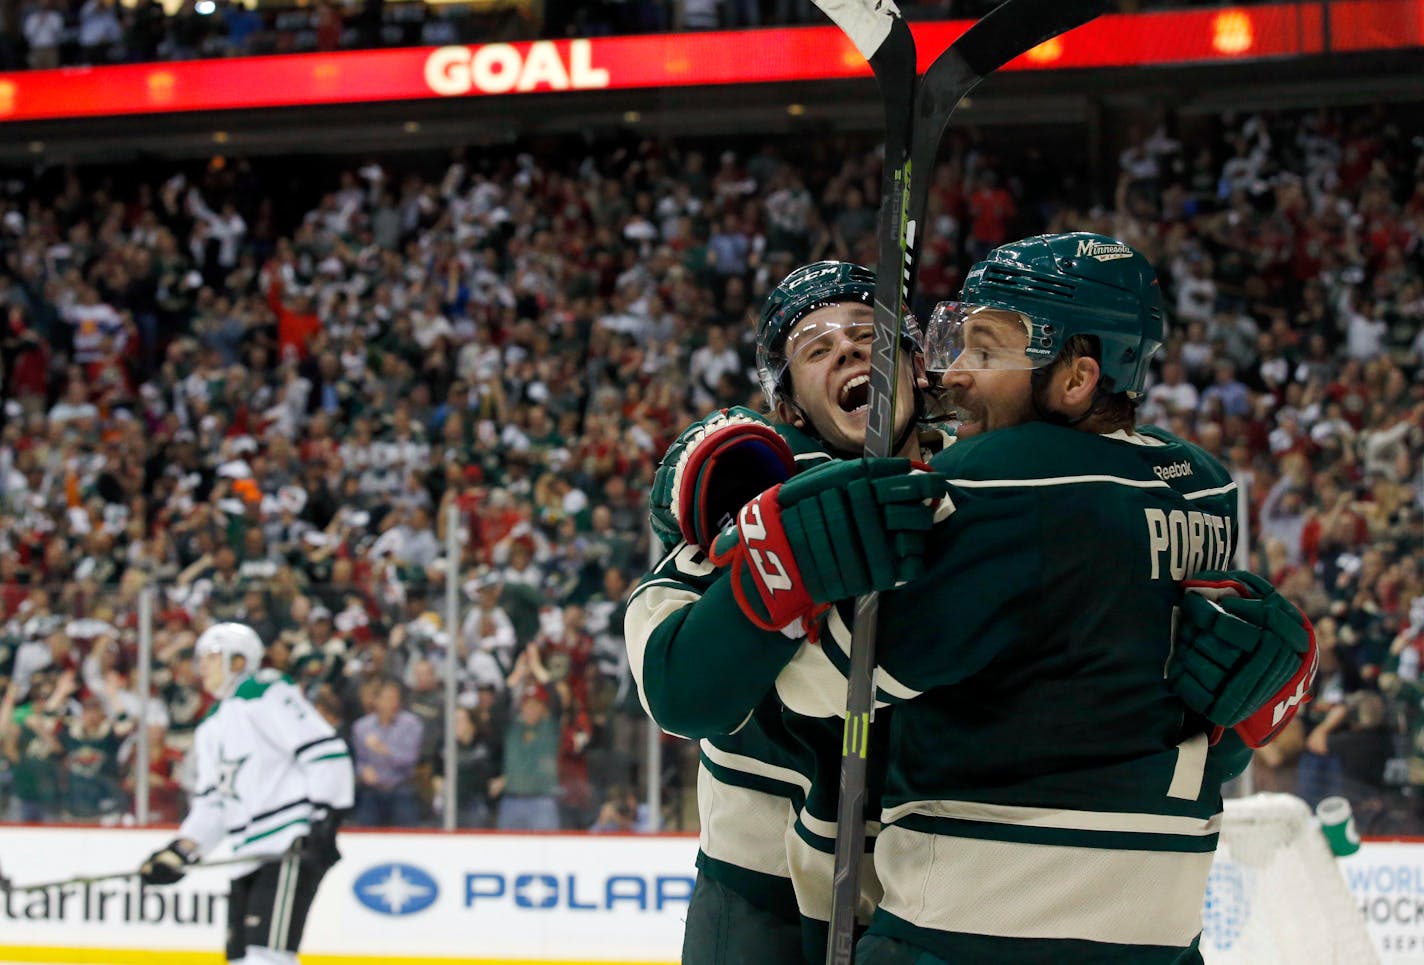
(1115, 409)
(328, 701)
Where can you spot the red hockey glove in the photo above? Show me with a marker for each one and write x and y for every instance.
(710, 471)
(831, 533)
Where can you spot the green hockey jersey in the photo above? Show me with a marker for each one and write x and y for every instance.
(703, 671)
(768, 710)
(1047, 798)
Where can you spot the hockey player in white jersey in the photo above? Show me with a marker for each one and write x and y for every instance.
(273, 779)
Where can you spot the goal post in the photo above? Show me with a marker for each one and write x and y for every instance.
(1275, 893)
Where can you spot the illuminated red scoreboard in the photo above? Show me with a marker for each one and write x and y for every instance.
(1219, 35)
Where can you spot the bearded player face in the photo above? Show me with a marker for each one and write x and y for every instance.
(829, 354)
(989, 380)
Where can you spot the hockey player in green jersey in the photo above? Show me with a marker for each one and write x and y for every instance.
(1047, 795)
(703, 669)
(755, 769)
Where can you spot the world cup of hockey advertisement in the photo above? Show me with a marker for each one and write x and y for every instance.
(1386, 879)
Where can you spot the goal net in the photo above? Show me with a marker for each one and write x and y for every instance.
(1275, 893)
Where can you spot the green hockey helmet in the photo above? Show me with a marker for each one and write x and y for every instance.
(1059, 286)
(798, 295)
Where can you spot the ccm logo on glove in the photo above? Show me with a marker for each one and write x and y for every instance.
(762, 558)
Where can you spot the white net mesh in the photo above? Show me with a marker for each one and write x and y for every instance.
(1275, 893)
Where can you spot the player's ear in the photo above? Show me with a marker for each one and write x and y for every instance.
(1075, 384)
(789, 414)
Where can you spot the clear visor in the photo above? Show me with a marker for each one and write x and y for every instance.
(977, 338)
(817, 338)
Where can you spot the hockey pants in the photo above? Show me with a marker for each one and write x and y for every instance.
(724, 928)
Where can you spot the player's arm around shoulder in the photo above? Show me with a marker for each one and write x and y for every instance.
(700, 665)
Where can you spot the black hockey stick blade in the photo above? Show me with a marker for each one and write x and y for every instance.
(1017, 26)
(1009, 30)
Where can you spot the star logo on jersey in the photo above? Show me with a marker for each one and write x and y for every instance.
(228, 768)
(396, 889)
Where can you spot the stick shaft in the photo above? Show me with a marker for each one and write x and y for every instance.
(893, 64)
(116, 875)
(912, 140)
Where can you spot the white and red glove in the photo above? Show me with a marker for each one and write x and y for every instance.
(711, 470)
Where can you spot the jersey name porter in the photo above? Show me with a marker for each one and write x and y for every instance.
(1184, 542)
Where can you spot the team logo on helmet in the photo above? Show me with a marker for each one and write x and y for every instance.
(1102, 252)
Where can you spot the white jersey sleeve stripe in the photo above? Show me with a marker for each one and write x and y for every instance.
(1218, 491)
(1058, 481)
(750, 765)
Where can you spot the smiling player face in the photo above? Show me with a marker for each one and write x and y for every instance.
(829, 354)
(988, 379)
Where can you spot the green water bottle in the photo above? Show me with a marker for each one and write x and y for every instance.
(1338, 823)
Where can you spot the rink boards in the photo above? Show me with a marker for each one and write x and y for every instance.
(394, 898)
(476, 898)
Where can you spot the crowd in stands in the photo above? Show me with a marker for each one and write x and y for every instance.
(54, 33)
(263, 392)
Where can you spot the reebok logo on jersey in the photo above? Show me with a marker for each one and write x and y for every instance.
(1101, 252)
(1175, 470)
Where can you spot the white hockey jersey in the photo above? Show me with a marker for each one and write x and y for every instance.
(265, 761)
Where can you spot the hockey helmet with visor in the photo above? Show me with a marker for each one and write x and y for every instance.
(1034, 295)
(781, 339)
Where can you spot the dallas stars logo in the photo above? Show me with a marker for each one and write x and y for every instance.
(227, 773)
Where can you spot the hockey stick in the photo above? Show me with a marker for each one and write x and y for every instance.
(882, 37)
(6, 885)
